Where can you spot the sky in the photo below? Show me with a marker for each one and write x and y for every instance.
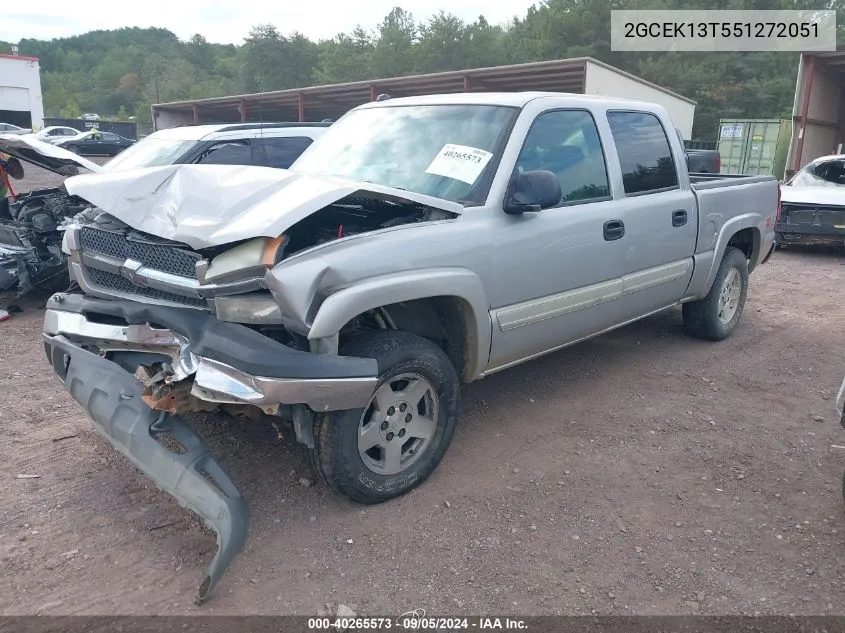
(230, 21)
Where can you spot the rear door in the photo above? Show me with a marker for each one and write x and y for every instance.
(234, 152)
(110, 143)
(659, 212)
(281, 151)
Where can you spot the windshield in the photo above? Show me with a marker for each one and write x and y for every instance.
(830, 173)
(445, 151)
(150, 152)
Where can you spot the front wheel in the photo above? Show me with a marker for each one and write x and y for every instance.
(716, 316)
(393, 444)
(73, 148)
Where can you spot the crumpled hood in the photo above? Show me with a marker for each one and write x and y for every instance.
(825, 195)
(212, 205)
(36, 152)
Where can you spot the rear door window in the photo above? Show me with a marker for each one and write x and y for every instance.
(281, 152)
(645, 156)
(227, 153)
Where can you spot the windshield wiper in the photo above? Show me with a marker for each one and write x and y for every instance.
(381, 185)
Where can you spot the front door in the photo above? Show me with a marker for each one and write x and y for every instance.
(557, 273)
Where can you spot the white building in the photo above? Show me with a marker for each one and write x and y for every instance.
(21, 103)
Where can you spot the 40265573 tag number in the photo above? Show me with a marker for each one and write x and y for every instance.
(344, 624)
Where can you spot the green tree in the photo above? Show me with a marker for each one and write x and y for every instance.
(200, 54)
(394, 48)
(346, 57)
(71, 110)
(444, 43)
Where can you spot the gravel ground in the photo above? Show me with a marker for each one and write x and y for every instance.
(642, 472)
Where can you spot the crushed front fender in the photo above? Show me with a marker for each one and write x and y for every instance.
(161, 445)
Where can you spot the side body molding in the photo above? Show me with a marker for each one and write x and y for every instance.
(341, 306)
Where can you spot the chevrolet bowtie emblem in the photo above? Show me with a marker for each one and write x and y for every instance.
(129, 271)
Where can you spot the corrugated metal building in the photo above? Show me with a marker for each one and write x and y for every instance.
(581, 76)
(818, 112)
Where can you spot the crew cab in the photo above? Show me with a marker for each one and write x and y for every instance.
(422, 243)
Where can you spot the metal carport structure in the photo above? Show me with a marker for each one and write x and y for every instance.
(581, 76)
(818, 112)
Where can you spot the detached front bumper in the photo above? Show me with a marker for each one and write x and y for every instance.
(92, 346)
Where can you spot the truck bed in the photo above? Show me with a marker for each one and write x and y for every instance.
(725, 197)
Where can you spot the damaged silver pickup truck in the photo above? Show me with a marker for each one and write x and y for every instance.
(421, 243)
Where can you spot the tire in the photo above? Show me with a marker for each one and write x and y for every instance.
(405, 361)
(73, 148)
(702, 318)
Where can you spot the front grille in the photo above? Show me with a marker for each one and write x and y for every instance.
(163, 257)
(110, 281)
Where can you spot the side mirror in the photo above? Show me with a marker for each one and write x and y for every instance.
(532, 191)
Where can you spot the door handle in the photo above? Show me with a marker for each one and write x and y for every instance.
(679, 217)
(614, 230)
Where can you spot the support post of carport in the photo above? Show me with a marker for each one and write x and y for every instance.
(301, 101)
(373, 92)
(196, 112)
(243, 109)
(810, 73)
(467, 83)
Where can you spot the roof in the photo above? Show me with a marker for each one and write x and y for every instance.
(512, 99)
(833, 61)
(561, 75)
(199, 132)
(23, 58)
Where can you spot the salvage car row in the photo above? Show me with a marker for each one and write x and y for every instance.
(422, 243)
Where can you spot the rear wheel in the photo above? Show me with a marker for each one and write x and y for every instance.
(73, 148)
(393, 444)
(716, 316)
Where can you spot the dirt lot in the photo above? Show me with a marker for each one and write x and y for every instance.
(640, 473)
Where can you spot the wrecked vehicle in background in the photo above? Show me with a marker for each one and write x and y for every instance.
(30, 238)
(813, 204)
(31, 227)
(421, 243)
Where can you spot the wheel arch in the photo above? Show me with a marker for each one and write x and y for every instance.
(742, 232)
(454, 298)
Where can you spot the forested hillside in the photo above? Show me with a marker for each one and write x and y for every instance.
(122, 72)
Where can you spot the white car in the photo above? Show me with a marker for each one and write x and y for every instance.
(8, 128)
(268, 144)
(53, 133)
(813, 204)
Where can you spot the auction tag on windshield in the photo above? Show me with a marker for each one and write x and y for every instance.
(459, 162)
